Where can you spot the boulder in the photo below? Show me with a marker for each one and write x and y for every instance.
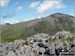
(18, 43)
(42, 45)
(38, 50)
(68, 46)
(50, 51)
(64, 34)
(30, 40)
(11, 53)
(35, 44)
(42, 35)
(25, 49)
(58, 44)
(30, 54)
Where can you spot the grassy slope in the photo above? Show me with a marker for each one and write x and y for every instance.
(24, 30)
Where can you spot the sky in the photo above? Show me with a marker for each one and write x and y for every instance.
(14, 11)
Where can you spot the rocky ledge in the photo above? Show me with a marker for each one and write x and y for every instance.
(41, 45)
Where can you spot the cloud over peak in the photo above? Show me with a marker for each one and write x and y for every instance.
(49, 5)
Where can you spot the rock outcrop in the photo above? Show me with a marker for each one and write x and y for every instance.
(39, 45)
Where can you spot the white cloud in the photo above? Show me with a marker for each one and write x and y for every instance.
(13, 21)
(49, 5)
(34, 4)
(19, 8)
(4, 3)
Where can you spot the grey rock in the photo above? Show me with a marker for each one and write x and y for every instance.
(58, 44)
(30, 40)
(50, 51)
(41, 36)
(25, 49)
(43, 45)
(38, 50)
(18, 43)
(30, 54)
(68, 46)
(38, 45)
(11, 53)
(64, 34)
(1, 48)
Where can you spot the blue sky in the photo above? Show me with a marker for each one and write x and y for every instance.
(14, 11)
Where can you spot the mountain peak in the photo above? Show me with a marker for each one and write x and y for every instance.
(59, 13)
(56, 15)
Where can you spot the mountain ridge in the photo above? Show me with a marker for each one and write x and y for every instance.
(50, 25)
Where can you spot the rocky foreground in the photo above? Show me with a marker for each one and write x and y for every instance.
(61, 44)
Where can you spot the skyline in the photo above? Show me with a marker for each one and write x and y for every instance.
(18, 11)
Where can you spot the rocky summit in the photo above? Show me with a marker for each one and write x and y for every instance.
(60, 44)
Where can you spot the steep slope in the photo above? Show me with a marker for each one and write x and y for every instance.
(50, 25)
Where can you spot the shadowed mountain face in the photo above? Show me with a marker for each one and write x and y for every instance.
(50, 25)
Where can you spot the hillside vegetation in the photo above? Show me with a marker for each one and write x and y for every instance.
(50, 25)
